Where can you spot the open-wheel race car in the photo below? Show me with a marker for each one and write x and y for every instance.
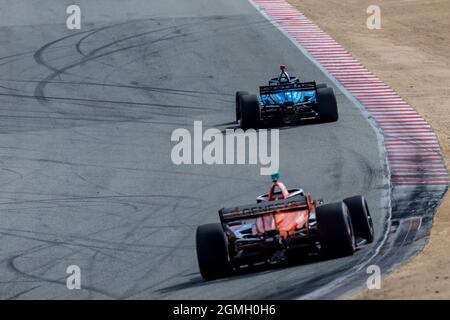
(283, 223)
(286, 100)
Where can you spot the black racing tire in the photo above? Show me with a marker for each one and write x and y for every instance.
(212, 251)
(250, 112)
(361, 219)
(335, 230)
(321, 85)
(326, 105)
(238, 104)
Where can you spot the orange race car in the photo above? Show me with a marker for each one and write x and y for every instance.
(283, 222)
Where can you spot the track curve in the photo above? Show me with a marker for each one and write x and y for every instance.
(86, 119)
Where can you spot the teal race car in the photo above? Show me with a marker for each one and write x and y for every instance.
(286, 100)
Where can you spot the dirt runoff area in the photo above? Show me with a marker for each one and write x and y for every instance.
(411, 53)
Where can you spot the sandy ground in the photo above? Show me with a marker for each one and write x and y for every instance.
(410, 53)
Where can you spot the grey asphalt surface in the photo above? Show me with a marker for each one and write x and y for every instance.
(85, 171)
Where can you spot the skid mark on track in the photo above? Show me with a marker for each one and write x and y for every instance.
(98, 201)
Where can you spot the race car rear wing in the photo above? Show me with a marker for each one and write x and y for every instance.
(257, 210)
(298, 86)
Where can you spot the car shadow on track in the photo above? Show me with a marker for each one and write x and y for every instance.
(233, 125)
(198, 281)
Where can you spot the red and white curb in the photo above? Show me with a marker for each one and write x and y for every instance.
(413, 151)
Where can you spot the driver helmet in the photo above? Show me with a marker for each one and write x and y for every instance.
(284, 76)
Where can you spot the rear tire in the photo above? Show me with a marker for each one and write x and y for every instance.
(238, 104)
(321, 85)
(212, 251)
(327, 105)
(361, 219)
(335, 229)
(250, 112)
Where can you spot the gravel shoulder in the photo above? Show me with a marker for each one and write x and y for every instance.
(409, 53)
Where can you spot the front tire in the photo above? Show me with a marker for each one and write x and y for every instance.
(238, 104)
(335, 229)
(326, 105)
(250, 112)
(361, 219)
(212, 251)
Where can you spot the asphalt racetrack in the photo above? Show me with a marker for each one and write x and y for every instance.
(86, 176)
